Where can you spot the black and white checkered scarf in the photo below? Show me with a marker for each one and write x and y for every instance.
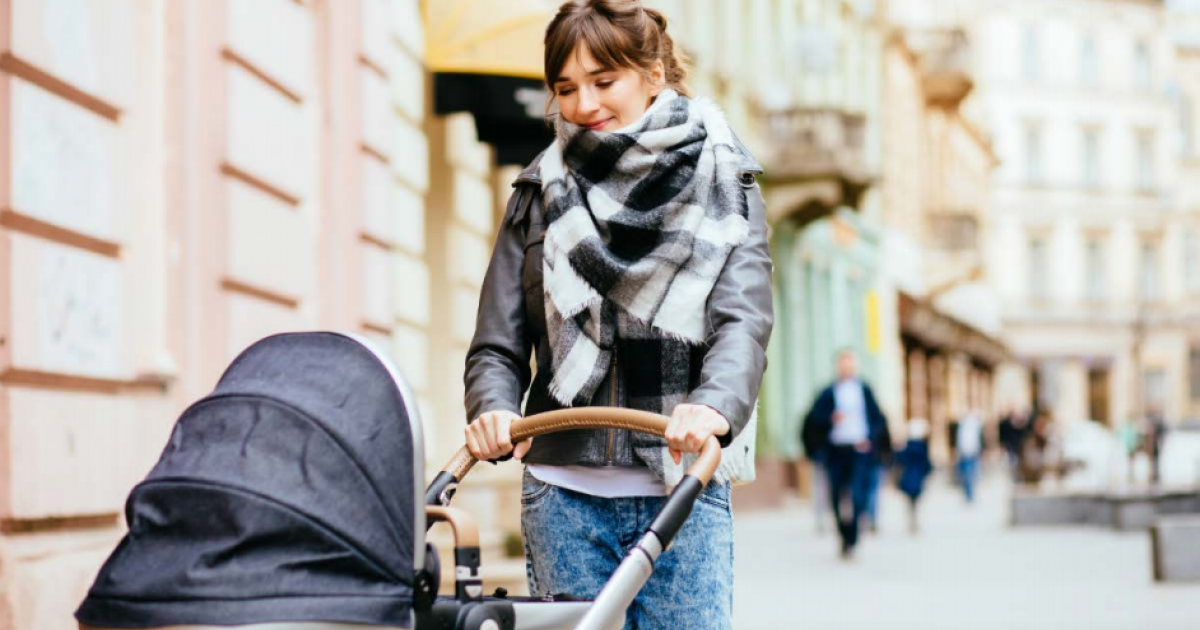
(640, 222)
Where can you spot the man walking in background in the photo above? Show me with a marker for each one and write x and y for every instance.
(853, 437)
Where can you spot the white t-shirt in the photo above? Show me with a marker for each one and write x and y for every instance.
(970, 439)
(602, 481)
(848, 398)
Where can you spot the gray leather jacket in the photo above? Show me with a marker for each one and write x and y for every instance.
(726, 372)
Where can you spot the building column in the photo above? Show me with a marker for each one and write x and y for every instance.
(1072, 403)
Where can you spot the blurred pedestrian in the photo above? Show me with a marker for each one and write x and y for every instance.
(969, 445)
(1035, 449)
(1156, 429)
(915, 466)
(814, 449)
(853, 435)
(1013, 429)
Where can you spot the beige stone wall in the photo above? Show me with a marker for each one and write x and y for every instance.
(175, 184)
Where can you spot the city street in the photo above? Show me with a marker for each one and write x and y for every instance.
(967, 569)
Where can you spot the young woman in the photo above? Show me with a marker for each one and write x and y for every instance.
(633, 257)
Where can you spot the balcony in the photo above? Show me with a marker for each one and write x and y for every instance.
(945, 63)
(809, 144)
(953, 231)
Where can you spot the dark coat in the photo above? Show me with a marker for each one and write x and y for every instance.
(914, 467)
(818, 425)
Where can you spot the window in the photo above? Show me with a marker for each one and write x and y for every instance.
(1141, 66)
(1187, 125)
(1091, 157)
(1037, 268)
(1194, 372)
(1087, 61)
(1033, 153)
(1191, 260)
(1148, 277)
(1031, 53)
(1145, 158)
(1095, 269)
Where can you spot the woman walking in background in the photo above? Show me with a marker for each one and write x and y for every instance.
(915, 466)
(633, 257)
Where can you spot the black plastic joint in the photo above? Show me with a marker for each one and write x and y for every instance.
(676, 510)
(468, 584)
(441, 490)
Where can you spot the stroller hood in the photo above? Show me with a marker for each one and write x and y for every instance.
(290, 493)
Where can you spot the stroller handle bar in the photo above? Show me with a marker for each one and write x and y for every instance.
(592, 418)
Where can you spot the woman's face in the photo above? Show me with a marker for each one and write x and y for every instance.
(603, 99)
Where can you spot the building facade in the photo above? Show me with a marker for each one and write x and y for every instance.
(1086, 249)
(175, 184)
(1185, 31)
(936, 182)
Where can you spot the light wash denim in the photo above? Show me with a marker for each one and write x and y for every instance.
(574, 542)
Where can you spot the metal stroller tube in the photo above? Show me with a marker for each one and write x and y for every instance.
(608, 610)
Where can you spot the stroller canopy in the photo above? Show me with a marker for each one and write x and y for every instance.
(290, 493)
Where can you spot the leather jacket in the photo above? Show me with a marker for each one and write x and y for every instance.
(726, 372)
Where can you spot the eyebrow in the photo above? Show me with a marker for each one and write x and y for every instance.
(590, 74)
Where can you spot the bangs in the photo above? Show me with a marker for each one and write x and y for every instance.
(603, 40)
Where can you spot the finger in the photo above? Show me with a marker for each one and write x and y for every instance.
(503, 437)
(676, 455)
(472, 443)
(522, 448)
(488, 435)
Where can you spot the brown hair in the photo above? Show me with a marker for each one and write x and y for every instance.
(619, 34)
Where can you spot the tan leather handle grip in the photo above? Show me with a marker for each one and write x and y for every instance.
(593, 418)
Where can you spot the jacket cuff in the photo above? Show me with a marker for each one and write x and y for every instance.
(720, 405)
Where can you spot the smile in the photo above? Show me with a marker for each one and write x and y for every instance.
(597, 125)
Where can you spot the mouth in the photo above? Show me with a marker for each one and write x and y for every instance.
(597, 126)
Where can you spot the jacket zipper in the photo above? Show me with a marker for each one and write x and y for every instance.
(612, 401)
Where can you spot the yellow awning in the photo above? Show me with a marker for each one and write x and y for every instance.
(501, 37)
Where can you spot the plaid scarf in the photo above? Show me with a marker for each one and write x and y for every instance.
(639, 224)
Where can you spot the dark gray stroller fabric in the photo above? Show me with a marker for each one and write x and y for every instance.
(285, 495)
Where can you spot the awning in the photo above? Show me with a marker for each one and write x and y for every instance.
(921, 322)
(486, 59)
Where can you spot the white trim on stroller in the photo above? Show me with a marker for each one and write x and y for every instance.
(418, 445)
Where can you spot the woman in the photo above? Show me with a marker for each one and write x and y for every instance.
(915, 466)
(633, 257)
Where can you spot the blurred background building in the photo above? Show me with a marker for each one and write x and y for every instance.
(996, 203)
(1089, 246)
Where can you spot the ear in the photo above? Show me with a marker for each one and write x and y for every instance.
(658, 78)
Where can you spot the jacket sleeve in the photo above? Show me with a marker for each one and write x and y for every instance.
(741, 314)
(881, 433)
(497, 371)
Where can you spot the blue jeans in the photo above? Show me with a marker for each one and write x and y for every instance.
(849, 473)
(968, 473)
(574, 542)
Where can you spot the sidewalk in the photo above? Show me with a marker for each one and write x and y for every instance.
(966, 570)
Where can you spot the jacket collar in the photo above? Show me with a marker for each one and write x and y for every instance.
(531, 174)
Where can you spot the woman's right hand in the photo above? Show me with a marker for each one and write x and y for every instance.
(488, 436)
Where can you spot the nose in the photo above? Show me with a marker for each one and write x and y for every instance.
(588, 104)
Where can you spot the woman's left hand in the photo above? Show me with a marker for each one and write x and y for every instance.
(690, 426)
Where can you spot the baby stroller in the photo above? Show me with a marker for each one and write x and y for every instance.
(291, 498)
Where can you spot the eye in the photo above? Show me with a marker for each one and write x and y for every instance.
(565, 91)
(604, 84)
